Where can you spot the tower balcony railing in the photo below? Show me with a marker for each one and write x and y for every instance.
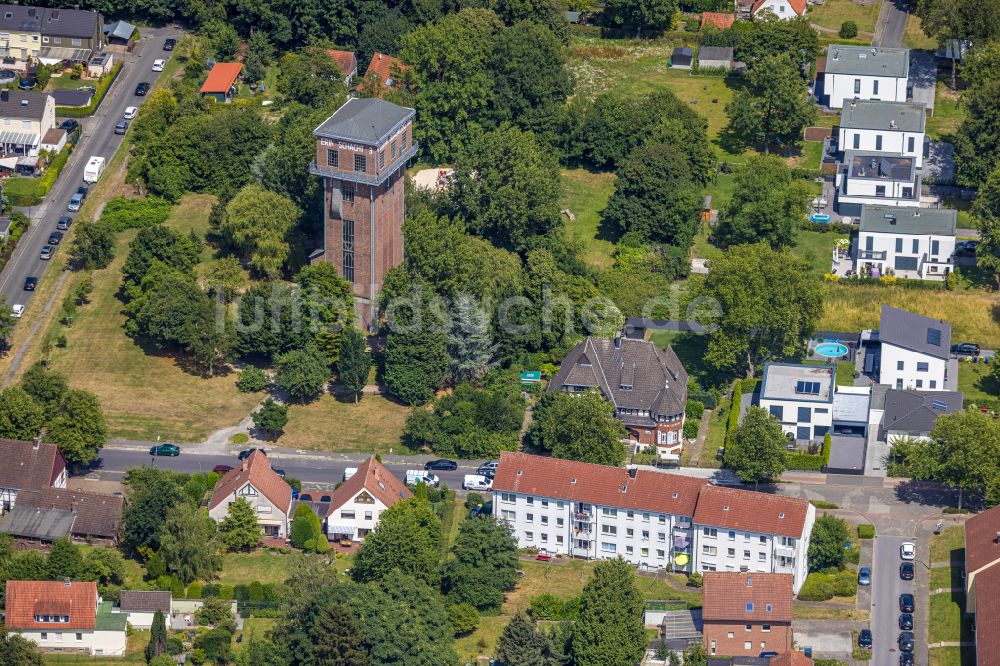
(365, 178)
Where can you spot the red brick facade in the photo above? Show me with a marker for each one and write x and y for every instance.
(648, 436)
(735, 640)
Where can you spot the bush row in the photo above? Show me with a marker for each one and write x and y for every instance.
(825, 586)
(548, 606)
(102, 89)
(808, 462)
(826, 227)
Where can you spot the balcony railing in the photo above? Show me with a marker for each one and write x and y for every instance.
(871, 254)
(364, 178)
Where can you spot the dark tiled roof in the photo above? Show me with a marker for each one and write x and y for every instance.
(70, 23)
(22, 104)
(25, 467)
(20, 18)
(909, 220)
(72, 97)
(368, 121)
(981, 543)
(657, 377)
(97, 514)
(915, 332)
(728, 595)
(145, 602)
(29, 522)
(917, 411)
(374, 477)
(715, 53)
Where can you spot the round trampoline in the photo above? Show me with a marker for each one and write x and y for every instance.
(830, 349)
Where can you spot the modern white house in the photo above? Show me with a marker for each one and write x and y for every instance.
(883, 127)
(863, 72)
(800, 397)
(256, 482)
(915, 243)
(912, 414)
(64, 616)
(783, 9)
(655, 520)
(870, 178)
(913, 350)
(355, 506)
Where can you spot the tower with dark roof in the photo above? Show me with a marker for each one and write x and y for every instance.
(361, 154)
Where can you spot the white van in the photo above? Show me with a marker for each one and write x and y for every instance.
(477, 482)
(349, 472)
(415, 476)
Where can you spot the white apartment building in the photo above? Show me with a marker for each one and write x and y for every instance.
(800, 397)
(913, 350)
(355, 506)
(868, 178)
(883, 127)
(863, 72)
(651, 519)
(916, 243)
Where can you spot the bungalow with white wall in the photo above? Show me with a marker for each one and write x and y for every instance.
(913, 414)
(140, 606)
(870, 178)
(916, 243)
(862, 72)
(256, 482)
(800, 397)
(783, 9)
(913, 350)
(883, 127)
(355, 506)
(64, 616)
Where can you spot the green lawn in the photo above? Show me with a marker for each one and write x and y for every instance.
(373, 425)
(914, 37)
(944, 577)
(963, 206)
(948, 114)
(261, 565)
(948, 546)
(948, 621)
(975, 382)
(586, 194)
(953, 656)
(816, 247)
(832, 13)
(812, 155)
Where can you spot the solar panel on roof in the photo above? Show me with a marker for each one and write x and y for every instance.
(937, 404)
(934, 336)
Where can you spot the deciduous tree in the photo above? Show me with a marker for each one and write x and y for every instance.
(355, 362)
(756, 449)
(93, 246)
(407, 538)
(484, 565)
(80, 429)
(272, 417)
(639, 15)
(64, 560)
(826, 543)
(46, 386)
(580, 427)
(16, 650)
(188, 543)
(767, 205)
(774, 106)
(257, 223)
(609, 629)
(21, 416)
(302, 373)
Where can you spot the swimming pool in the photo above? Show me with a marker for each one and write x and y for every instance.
(831, 349)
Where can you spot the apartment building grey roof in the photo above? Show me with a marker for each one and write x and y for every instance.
(801, 383)
(915, 332)
(879, 115)
(867, 61)
(879, 166)
(368, 121)
(909, 220)
(70, 23)
(632, 374)
(22, 104)
(21, 18)
(917, 411)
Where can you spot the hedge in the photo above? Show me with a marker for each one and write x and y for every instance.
(803, 461)
(740, 387)
(102, 89)
(827, 445)
(906, 284)
(825, 227)
(31, 191)
(866, 531)
(707, 398)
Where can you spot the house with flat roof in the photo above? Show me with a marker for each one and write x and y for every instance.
(913, 350)
(863, 73)
(744, 614)
(800, 397)
(909, 242)
(913, 414)
(870, 178)
(221, 82)
(896, 128)
(64, 616)
(783, 9)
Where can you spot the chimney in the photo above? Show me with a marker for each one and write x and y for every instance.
(632, 472)
(618, 340)
(65, 582)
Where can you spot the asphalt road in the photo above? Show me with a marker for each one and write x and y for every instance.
(886, 588)
(892, 23)
(319, 472)
(98, 139)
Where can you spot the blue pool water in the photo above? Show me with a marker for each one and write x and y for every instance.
(831, 349)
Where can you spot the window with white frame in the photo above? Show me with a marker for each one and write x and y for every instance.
(762, 557)
(529, 536)
(609, 529)
(508, 515)
(508, 498)
(608, 547)
(709, 550)
(609, 512)
(530, 518)
(709, 531)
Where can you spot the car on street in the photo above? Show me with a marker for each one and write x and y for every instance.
(222, 469)
(169, 44)
(158, 65)
(905, 641)
(121, 127)
(83, 191)
(165, 450)
(55, 237)
(75, 202)
(477, 482)
(906, 570)
(906, 621)
(489, 468)
(864, 576)
(70, 125)
(865, 638)
(130, 112)
(908, 550)
(965, 349)
(141, 89)
(16, 310)
(30, 283)
(278, 471)
(244, 454)
(905, 659)
(441, 463)
(906, 603)
(47, 252)
(64, 222)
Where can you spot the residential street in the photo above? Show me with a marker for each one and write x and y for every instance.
(886, 588)
(891, 23)
(98, 139)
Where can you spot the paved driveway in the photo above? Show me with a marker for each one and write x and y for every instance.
(923, 78)
(829, 639)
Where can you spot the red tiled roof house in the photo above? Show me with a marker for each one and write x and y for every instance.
(257, 483)
(221, 81)
(347, 62)
(64, 617)
(982, 582)
(717, 20)
(383, 71)
(783, 9)
(356, 505)
(745, 614)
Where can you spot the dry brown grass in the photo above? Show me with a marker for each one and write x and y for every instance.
(375, 424)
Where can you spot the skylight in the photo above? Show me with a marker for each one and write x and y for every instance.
(937, 404)
(934, 336)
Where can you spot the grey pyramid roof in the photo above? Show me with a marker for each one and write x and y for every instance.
(368, 121)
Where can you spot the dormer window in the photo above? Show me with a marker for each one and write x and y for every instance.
(8, 15)
(248, 490)
(625, 387)
(364, 498)
(51, 618)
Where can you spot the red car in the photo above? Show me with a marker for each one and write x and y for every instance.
(543, 556)
(221, 469)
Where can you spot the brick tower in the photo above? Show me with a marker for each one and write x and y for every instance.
(361, 152)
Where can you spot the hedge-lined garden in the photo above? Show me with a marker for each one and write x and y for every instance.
(102, 89)
(31, 191)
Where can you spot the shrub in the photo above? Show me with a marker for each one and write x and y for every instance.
(175, 645)
(194, 590)
(546, 606)
(954, 510)
(694, 409)
(472, 500)
(854, 555)
(240, 438)
(695, 579)
(827, 445)
(217, 644)
(823, 504)
(464, 618)
(691, 428)
(225, 591)
(241, 592)
(803, 461)
(844, 583)
(848, 30)
(866, 531)
(816, 588)
(122, 213)
(252, 379)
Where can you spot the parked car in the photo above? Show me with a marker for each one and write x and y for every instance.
(905, 659)
(415, 476)
(169, 44)
(305, 497)
(908, 551)
(244, 454)
(30, 283)
(906, 621)
(121, 127)
(324, 498)
(543, 556)
(222, 469)
(158, 65)
(906, 603)
(906, 570)
(441, 463)
(864, 576)
(47, 252)
(75, 202)
(966, 248)
(70, 125)
(905, 641)
(64, 222)
(55, 237)
(130, 112)
(165, 450)
(965, 349)
(490, 466)
(16, 310)
(865, 638)
(83, 191)
(278, 471)
(141, 89)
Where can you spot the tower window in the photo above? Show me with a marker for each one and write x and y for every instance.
(332, 157)
(381, 159)
(392, 148)
(348, 250)
(347, 192)
(360, 163)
